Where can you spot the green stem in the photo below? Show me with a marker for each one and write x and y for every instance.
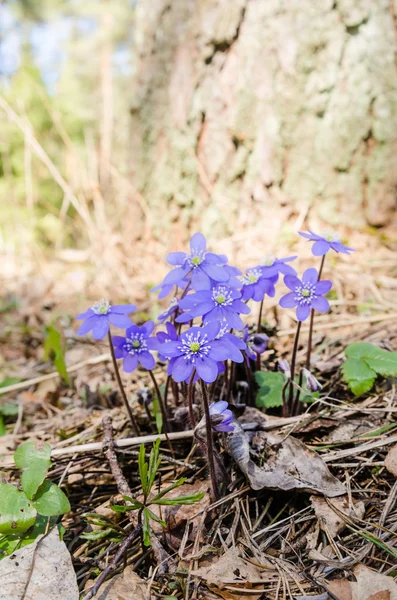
(121, 387)
(166, 424)
(210, 447)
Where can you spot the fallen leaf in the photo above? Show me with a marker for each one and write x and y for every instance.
(232, 568)
(287, 463)
(318, 597)
(41, 571)
(391, 460)
(126, 586)
(329, 519)
(369, 585)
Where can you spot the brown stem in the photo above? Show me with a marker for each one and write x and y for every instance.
(210, 447)
(310, 340)
(249, 381)
(295, 407)
(166, 424)
(190, 400)
(259, 326)
(167, 385)
(121, 387)
(230, 382)
(293, 363)
(112, 565)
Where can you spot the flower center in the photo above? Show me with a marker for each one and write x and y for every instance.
(269, 260)
(331, 236)
(101, 307)
(194, 347)
(251, 276)
(135, 344)
(305, 293)
(196, 257)
(222, 296)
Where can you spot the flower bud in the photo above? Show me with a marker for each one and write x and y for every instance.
(283, 366)
(311, 382)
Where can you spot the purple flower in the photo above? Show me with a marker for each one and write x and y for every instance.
(166, 288)
(218, 304)
(221, 416)
(135, 346)
(255, 286)
(312, 384)
(197, 349)
(231, 343)
(325, 242)
(256, 343)
(201, 266)
(101, 314)
(162, 338)
(271, 266)
(170, 310)
(306, 294)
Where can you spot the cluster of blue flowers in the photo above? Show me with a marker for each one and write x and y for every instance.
(210, 296)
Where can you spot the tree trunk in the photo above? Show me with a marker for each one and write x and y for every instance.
(242, 106)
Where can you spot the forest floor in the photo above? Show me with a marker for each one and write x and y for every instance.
(261, 544)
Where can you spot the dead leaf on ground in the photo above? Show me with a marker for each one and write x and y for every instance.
(287, 463)
(370, 585)
(126, 586)
(234, 570)
(329, 520)
(391, 460)
(41, 571)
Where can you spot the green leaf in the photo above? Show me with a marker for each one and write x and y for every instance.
(270, 391)
(154, 463)
(53, 350)
(50, 500)
(143, 468)
(35, 462)
(9, 409)
(146, 530)
(157, 414)
(358, 375)
(379, 360)
(188, 499)
(16, 511)
(8, 381)
(168, 489)
(155, 517)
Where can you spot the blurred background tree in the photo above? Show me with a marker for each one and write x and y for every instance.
(124, 119)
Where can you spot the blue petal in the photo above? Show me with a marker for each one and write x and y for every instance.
(123, 309)
(85, 315)
(310, 276)
(181, 369)
(289, 300)
(146, 359)
(101, 328)
(215, 272)
(118, 320)
(130, 363)
(175, 276)
(89, 324)
(176, 258)
(200, 281)
(320, 303)
(207, 369)
(320, 248)
(292, 282)
(302, 312)
(198, 243)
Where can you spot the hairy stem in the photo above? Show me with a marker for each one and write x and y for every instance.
(310, 340)
(121, 387)
(293, 363)
(248, 373)
(210, 447)
(190, 401)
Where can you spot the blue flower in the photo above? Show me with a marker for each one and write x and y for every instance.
(135, 347)
(221, 416)
(162, 338)
(166, 288)
(218, 304)
(306, 294)
(198, 265)
(271, 266)
(101, 314)
(170, 310)
(324, 243)
(197, 349)
(255, 286)
(256, 343)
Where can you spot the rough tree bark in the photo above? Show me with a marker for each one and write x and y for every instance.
(240, 106)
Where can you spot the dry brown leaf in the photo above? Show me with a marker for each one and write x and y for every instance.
(41, 571)
(391, 460)
(328, 519)
(288, 464)
(126, 586)
(370, 585)
(233, 569)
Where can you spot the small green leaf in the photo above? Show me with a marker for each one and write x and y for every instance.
(50, 500)
(378, 359)
(53, 349)
(155, 517)
(154, 463)
(34, 462)
(358, 375)
(158, 417)
(143, 468)
(16, 511)
(9, 409)
(188, 499)
(270, 391)
(146, 527)
(165, 491)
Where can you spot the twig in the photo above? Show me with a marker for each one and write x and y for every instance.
(210, 449)
(110, 453)
(112, 566)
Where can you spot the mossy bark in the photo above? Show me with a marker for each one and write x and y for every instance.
(240, 106)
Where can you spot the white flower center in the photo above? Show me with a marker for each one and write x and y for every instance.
(305, 293)
(268, 261)
(196, 257)
(101, 307)
(251, 276)
(194, 345)
(331, 236)
(136, 343)
(222, 296)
